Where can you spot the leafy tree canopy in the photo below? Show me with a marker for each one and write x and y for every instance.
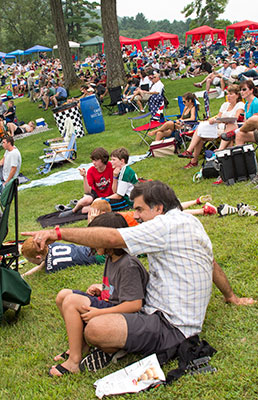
(207, 11)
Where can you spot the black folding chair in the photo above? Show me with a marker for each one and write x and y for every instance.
(115, 97)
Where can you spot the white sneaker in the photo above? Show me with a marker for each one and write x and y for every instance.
(222, 94)
(226, 209)
(245, 209)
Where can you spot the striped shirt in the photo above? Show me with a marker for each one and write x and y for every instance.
(180, 266)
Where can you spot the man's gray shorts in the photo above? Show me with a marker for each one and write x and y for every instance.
(148, 334)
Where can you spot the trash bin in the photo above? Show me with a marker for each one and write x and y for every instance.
(69, 110)
(92, 114)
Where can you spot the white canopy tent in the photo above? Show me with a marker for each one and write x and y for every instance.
(72, 45)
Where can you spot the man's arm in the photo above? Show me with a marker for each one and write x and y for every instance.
(222, 283)
(108, 238)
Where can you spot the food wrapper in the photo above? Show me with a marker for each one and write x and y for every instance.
(132, 379)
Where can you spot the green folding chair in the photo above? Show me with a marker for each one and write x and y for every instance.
(14, 291)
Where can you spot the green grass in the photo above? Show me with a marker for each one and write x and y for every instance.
(27, 347)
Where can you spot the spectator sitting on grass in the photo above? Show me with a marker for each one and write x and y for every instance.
(16, 130)
(97, 181)
(124, 179)
(122, 291)
(58, 256)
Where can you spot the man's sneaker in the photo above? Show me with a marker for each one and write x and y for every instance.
(203, 199)
(245, 209)
(98, 359)
(228, 136)
(209, 209)
(226, 209)
(185, 154)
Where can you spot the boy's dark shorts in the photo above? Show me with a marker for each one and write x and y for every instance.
(93, 194)
(148, 334)
(94, 301)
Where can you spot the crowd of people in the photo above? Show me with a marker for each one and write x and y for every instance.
(135, 311)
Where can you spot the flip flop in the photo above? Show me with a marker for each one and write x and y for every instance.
(59, 368)
(64, 356)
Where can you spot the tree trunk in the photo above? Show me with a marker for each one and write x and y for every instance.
(115, 65)
(70, 77)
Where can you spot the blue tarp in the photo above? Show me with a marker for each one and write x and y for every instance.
(36, 49)
(71, 174)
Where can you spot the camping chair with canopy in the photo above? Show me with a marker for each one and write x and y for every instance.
(14, 291)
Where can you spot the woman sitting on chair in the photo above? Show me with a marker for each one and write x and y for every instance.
(189, 114)
(208, 130)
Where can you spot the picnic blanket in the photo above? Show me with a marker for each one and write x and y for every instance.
(38, 129)
(71, 174)
(53, 219)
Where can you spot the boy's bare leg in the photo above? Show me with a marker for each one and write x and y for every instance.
(72, 310)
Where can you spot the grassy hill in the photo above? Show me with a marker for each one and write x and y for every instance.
(28, 346)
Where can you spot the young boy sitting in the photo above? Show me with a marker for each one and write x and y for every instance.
(97, 181)
(58, 256)
(124, 179)
(122, 291)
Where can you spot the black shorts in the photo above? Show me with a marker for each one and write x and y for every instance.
(93, 194)
(148, 334)
(94, 301)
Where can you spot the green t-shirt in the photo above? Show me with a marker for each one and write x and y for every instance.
(126, 180)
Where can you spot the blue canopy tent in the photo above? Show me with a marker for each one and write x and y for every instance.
(37, 49)
(15, 53)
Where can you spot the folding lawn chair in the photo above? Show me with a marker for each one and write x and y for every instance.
(115, 97)
(186, 133)
(134, 103)
(143, 130)
(14, 291)
(65, 153)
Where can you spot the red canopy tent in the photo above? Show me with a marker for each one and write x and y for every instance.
(239, 27)
(128, 41)
(204, 30)
(154, 39)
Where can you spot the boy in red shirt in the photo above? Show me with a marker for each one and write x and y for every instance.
(97, 181)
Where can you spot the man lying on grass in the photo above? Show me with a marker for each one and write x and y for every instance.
(181, 269)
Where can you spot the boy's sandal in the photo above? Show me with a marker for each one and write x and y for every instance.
(63, 356)
(60, 369)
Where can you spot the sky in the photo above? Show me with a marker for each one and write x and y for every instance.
(171, 9)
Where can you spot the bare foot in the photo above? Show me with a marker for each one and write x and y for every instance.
(64, 368)
(62, 356)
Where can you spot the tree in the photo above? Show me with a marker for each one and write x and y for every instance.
(80, 14)
(115, 65)
(25, 23)
(207, 11)
(70, 77)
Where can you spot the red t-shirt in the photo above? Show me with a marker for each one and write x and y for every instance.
(101, 182)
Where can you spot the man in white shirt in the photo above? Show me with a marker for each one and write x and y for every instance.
(11, 162)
